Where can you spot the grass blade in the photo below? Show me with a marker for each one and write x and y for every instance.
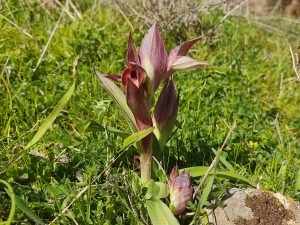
(198, 171)
(209, 185)
(11, 194)
(27, 210)
(50, 119)
(298, 181)
(206, 192)
(44, 127)
(203, 198)
(89, 197)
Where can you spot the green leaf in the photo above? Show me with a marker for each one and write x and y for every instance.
(204, 217)
(198, 171)
(27, 210)
(204, 195)
(133, 138)
(44, 127)
(150, 189)
(119, 99)
(209, 184)
(159, 213)
(94, 126)
(156, 190)
(164, 190)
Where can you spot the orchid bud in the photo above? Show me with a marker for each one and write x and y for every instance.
(180, 191)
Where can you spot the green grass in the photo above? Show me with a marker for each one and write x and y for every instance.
(247, 84)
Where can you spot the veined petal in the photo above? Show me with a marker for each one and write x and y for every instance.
(132, 54)
(165, 113)
(179, 200)
(137, 104)
(174, 173)
(180, 193)
(182, 181)
(181, 50)
(153, 56)
(184, 63)
(115, 77)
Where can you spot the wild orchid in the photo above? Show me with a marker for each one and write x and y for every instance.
(146, 69)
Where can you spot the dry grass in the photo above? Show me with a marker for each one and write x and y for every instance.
(170, 14)
(263, 7)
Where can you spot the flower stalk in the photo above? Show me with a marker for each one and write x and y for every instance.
(145, 163)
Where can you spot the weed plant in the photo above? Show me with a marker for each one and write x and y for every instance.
(249, 84)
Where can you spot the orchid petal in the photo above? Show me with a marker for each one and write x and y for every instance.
(132, 54)
(153, 56)
(184, 63)
(181, 198)
(180, 193)
(115, 77)
(182, 181)
(165, 113)
(141, 73)
(181, 50)
(137, 104)
(174, 173)
(135, 73)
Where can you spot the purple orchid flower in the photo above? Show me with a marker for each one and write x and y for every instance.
(152, 63)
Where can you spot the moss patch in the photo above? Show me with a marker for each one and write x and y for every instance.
(267, 210)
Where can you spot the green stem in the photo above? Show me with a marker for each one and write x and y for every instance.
(145, 161)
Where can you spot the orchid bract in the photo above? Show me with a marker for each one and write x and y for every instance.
(146, 69)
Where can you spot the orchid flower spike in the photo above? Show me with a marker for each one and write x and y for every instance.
(152, 64)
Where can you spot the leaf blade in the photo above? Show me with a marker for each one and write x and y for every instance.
(160, 213)
(201, 170)
(119, 99)
(135, 137)
(52, 116)
(27, 210)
